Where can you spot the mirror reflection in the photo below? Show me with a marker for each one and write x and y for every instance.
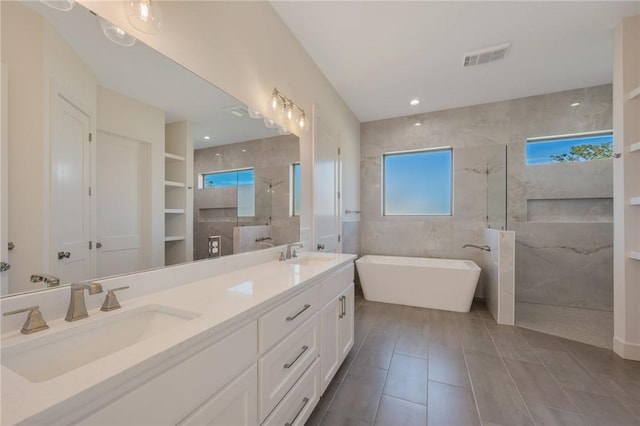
(120, 160)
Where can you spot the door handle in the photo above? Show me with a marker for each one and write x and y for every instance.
(63, 255)
(320, 246)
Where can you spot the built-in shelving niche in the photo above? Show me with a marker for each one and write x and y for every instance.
(570, 210)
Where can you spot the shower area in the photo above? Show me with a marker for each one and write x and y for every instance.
(562, 215)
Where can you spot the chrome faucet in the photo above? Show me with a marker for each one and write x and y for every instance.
(483, 248)
(77, 308)
(48, 280)
(290, 246)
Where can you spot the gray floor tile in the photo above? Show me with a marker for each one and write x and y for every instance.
(412, 341)
(359, 394)
(448, 366)
(603, 361)
(602, 409)
(511, 344)
(626, 390)
(407, 379)
(537, 386)
(568, 372)
(379, 357)
(543, 370)
(398, 412)
(341, 419)
(546, 416)
(541, 340)
(451, 406)
(497, 397)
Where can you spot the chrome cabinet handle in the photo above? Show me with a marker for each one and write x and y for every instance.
(305, 400)
(291, 318)
(344, 306)
(320, 246)
(4, 266)
(290, 364)
(63, 255)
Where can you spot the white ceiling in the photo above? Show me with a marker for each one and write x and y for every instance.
(146, 75)
(381, 54)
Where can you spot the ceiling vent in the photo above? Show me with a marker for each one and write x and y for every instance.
(484, 56)
(238, 111)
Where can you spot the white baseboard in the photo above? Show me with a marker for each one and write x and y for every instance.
(626, 350)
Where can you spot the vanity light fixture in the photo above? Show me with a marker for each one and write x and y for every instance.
(279, 100)
(144, 15)
(116, 34)
(254, 114)
(414, 102)
(62, 5)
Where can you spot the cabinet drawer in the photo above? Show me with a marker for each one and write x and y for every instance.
(170, 396)
(281, 367)
(282, 320)
(336, 284)
(297, 406)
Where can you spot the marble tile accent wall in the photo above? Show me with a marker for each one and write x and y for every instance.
(499, 268)
(270, 158)
(476, 134)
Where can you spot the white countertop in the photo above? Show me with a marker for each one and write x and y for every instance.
(220, 301)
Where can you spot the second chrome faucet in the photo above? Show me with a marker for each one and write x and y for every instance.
(77, 308)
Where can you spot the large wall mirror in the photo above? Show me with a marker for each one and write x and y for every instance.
(120, 160)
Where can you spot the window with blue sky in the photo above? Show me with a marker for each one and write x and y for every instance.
(229, 178)
(295, 190)
(243, 181)
(418, 183)
(570, 148)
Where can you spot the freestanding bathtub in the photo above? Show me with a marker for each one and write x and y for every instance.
(414, 281)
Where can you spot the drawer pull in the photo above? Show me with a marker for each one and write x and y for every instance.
(307, 306)
(342, 307)
(290, 364)
(305, 400)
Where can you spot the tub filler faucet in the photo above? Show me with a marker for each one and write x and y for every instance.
(483, 248)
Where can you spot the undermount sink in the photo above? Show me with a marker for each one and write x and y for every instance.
(310, 259)
(51, 355)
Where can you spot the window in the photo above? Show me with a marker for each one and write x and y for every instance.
(570, 148)
(418, 183)
(295, 190)
(228, 178)
(244, 182)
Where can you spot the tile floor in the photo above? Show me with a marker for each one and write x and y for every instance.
(412, 366)
(584, 325)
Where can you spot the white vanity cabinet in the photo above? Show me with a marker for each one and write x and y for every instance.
(175, 393)
(336, 324)
(265, 366)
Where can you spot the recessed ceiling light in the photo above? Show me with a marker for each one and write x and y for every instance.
(244, 150)
(206, 138)
(414, 102)
(417, 124)
(218, 154)
(575, 104)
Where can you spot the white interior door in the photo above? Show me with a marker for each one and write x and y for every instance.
(326, 187)
(70, 184)
(4, 187)
(122, 200)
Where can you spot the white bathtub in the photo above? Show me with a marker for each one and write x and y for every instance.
(414, 281)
